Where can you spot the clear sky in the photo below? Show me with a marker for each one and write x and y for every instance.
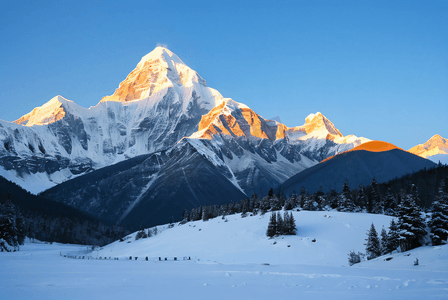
(377, 69)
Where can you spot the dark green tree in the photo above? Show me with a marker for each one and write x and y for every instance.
(373, 246)
(410, 223)
(272, 225)
(345, 200)
(439, 218)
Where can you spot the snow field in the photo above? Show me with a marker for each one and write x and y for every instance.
(232, 260)
(244, 240)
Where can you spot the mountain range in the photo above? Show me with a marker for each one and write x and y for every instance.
(162, 142)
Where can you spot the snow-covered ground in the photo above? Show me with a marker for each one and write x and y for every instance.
(230, 260)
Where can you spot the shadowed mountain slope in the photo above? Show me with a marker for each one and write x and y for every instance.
(360, 165)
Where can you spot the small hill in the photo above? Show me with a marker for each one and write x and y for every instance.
(360, 165)
(244, 240)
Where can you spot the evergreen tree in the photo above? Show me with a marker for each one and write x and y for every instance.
(254, 203)
(12, 226)
(393, 238)
(307, 202)
(390, 203)
(439, 218)
(319, 200)
(383, 241)
(333, 198)
(280, 225)
(345, 201)
(281, 198)
(375, 204)
(410, 223)
(206, 213)
(373, 247)
(265, 204)
(291, 202)
(289, 224)
(274, 202)
(361, 201)
(302, 196)
(245, 207)
(272, 225)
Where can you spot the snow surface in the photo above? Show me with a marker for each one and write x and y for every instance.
(230, 260)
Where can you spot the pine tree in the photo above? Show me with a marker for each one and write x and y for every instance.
(302, 196)
(275, 203)
(373, 247)
(361, 201)
(307, 202)
(318, 199)
(439, 218)
(254, 203)
(390, 203)
(206, 213)
(265, 204)
(280, 224)
(345, 201)
(375, 205)
(12, 226)
(333, 198)
(292, 201)
(410, 223)
(272, 225)
(393, 238)
(290, 224)
(245, 207)
(383, 241)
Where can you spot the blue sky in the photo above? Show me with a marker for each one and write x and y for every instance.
(377, 69)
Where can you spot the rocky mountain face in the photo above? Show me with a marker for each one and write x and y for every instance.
(169, 136)
(60, 139)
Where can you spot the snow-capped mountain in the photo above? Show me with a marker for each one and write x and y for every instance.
(161, 102)
(435, 149)
(264, 153)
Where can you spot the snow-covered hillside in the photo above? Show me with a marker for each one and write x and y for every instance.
(230, 260)
(244, 240)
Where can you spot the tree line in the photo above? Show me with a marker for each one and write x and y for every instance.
(25, 215)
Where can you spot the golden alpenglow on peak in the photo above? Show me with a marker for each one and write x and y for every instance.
(50, 112)
(318, 121)
(435, 145)
(158, 70)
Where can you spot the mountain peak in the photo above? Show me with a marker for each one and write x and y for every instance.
(160, 53)
(436, 137)
(158, 70)
(318, 122)
(50, 112)
(435, 145)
